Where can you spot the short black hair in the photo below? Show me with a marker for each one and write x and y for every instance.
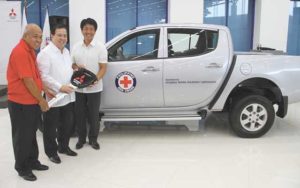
(58, 26)
(89, 21)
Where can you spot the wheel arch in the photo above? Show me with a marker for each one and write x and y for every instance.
(259, 86)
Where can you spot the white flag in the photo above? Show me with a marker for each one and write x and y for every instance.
(46, 31)
(24, 20)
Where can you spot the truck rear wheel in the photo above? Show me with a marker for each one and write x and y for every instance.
(252, 116)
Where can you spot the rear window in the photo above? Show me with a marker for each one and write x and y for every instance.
(191, 42)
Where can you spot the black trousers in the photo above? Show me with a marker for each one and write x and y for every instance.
(58, 124)
(24, 123)
(87, 111)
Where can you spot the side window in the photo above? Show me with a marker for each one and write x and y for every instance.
(191, 42)
(141, 45)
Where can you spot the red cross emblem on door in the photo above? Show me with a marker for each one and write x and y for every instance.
(125, 82)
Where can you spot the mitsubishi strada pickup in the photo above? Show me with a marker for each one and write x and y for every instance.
(181, 71)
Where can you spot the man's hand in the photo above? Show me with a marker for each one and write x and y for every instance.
(94, 83)
(36, 93)
(44, 105)
(101, 72)
(76, 67)
(66, 89)
(49, 92)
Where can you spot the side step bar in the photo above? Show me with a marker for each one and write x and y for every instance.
(150, 118)
(201, 115)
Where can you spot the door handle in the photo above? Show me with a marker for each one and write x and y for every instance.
(214, 65)
(150, 69)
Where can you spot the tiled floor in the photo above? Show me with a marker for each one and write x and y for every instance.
(155, 156)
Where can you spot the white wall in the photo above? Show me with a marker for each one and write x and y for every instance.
(186, 11)
(271, 23)
(79, 10)
(10, 32)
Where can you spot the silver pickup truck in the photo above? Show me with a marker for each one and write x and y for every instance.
(179, 72)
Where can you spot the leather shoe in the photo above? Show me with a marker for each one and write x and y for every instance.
(94, 145)
(40, 167)
(67, 151)
(28, 176)
(79, 145)
(55, 159)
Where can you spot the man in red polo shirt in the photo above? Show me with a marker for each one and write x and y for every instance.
(25, 102)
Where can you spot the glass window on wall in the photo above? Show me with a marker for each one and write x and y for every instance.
(293, 43)
(122, 15)
(58, 8)
(238, 15)
(58, 11)
(215, 12)
(36, 9)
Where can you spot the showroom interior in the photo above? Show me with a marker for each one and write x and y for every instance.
(165, 154)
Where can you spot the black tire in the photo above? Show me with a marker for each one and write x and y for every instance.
(252, 116)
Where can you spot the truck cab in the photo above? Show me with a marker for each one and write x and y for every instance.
(166, 67)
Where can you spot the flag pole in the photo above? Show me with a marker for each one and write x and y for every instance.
(46, 31)
(25, 7)
(24, 17)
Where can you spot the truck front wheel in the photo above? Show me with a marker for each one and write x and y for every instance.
(252, 116)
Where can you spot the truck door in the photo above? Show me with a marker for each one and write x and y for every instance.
(134, 74)
(196, 65)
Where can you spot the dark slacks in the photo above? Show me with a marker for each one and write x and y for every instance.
(87, 111)
(58, 124)
(24, 123)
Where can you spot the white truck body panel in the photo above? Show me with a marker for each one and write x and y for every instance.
(282, 70)
(179, 71)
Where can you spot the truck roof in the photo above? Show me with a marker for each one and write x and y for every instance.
(211, 26)
(175, 25)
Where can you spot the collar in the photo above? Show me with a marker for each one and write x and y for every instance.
(53, 47)
(93, 43)
(25, 45)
